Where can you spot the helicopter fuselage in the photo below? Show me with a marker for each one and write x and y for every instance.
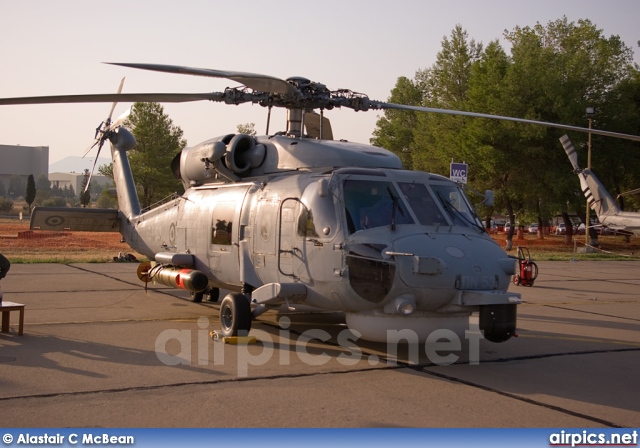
(371, 242)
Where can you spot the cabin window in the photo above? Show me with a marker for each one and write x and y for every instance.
(222, 223)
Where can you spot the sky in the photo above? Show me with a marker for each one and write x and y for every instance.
(58, 47)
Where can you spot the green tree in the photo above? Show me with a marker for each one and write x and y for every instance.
(43, 189)
(445, 85)
(70, 193)
(16, 186)
(85, 196)
(623, 171)
(158, 141)
(247, 128)
(106, 200)
(6, 205)
(55, 202)
(106, 170)
(557, 71)
(30, 194)
(395, 130)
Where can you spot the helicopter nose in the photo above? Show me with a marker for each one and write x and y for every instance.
(441, 261)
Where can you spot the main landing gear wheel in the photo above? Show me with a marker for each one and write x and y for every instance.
(213, 294)
(235, 315)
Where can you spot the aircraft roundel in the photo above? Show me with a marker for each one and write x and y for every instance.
(54, 220)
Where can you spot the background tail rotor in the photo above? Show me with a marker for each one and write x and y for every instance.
(571, 152)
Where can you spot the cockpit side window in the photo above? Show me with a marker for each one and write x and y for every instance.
(423, 204)
(370, 204)
(317, 216)
(306, 226)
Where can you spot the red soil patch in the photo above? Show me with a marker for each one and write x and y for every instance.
(15, 235)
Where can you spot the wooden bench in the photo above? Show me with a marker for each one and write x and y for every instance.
(5, 309)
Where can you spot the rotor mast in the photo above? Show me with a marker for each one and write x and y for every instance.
(295, 121)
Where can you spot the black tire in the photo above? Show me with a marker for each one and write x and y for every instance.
(235, 315)
(213, 295)
(196, 297)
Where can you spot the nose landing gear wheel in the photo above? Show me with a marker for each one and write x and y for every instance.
(235, 315)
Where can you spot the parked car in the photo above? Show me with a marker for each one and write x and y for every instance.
(533, 228)
(561, 229)
(495, 226)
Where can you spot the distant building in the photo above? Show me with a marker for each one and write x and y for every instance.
(22, 161)
(76, 180)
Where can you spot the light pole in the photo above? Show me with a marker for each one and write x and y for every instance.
(590, 112)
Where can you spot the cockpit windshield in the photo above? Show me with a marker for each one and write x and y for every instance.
(373, 203)
(377, 203)
(423, 204)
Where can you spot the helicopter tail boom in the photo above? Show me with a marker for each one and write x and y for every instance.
(128, 202)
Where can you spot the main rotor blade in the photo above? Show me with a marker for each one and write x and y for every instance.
(262, 83)
(382, 105)
(118, 97)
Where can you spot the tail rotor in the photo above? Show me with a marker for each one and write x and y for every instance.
(571, 152)
(104, 132)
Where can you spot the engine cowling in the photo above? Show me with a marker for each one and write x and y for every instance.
(226, 158)
(243, 154)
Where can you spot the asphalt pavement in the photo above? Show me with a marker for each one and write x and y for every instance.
(98, 350)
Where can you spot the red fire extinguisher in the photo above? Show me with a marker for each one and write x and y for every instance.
(528, 269)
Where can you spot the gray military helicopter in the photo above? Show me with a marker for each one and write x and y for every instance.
(297, 219)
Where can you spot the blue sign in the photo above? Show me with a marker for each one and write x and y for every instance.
(458, 172)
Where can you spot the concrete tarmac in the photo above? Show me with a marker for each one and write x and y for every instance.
(100, 351)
